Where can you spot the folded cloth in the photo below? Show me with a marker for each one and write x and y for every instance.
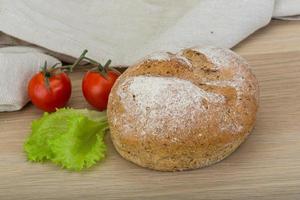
(17, 65)
(287, 9)
(124, 31)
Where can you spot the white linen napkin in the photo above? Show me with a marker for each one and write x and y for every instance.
(287, 9)
(17, 65)
(123, 31)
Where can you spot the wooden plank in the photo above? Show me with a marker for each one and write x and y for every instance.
(266, 166)
(278, 37)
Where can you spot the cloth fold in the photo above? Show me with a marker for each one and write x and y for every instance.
(287, 9)
(17, 65)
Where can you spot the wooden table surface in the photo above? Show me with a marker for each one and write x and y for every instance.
(266, 166)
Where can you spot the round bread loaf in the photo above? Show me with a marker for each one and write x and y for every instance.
(183, 111)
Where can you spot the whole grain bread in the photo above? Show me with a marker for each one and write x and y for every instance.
(183, 111)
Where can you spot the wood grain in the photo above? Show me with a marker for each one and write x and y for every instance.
(266, 166)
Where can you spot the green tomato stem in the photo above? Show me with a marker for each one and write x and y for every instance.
(81, 57)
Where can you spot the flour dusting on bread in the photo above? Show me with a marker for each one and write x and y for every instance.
(155, 99)
(219, 57)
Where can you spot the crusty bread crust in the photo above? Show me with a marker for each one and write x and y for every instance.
(178, 134)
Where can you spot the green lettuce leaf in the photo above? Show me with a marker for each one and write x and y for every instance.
(73, 139)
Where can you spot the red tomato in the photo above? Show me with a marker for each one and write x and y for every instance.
(56, 95)
(96, 88)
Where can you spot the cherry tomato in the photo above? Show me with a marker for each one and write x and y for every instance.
(96, 87)
(54, 95)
